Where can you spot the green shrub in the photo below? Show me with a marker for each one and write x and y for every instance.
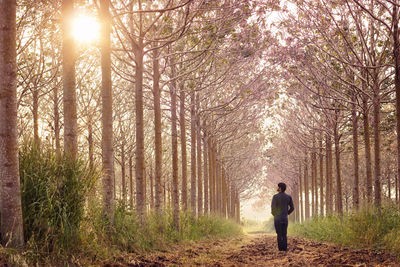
(53, 193)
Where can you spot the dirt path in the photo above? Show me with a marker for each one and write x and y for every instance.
(260, 250)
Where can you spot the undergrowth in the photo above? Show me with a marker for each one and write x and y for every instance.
(373, 228)
(64, 222)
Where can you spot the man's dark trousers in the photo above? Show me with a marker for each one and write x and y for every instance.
(281, 226)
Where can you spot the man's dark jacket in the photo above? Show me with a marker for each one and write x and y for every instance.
(279, 206)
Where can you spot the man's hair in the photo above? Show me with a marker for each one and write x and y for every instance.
(282, 186)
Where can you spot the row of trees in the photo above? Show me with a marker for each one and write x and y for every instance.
(341, 117)
(165, 77)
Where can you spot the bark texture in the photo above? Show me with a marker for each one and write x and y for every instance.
(107, 119)
(69, 98)
(10, 208)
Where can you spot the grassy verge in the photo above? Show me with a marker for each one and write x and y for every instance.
(373, 228)
(64, 223)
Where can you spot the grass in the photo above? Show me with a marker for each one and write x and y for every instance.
(373, 228)
(64, 223)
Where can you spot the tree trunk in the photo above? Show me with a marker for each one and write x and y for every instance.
(199, 170)
(218, 185)
(140, 165)
(339, 197)
(306, 191)
(354, 119)
(329, 177)
(183, 148)
(377, 143)
(233, 202)
(396, 54)
(314, 179)
(107, 119)
(211, 174)
(151, 187)
(223, 189)
(367, 141)
(237, 207)
(130, 181)
(174, 139)
(193, 152)
(11, 212)
(301, 217)
(206, 187)
(69, 98)
(321, 176)
(123, 174)
(157, 130)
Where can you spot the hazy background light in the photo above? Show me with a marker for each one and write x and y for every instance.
(85, 29)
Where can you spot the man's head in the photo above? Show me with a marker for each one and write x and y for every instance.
(282, 187)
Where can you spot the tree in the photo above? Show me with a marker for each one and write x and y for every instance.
(69, 98)
(107, 119)
(11, 211)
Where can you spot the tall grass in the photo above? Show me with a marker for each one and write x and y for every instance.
(375, 228)
(63, 217)
(53, 194)
(128, 234)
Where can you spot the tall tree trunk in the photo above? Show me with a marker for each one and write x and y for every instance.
(314, 180)
(69, 98)
(123, 173)
(306, 191)
(174, 139)
(339, 196)
(354, 118)
(367, 142)
(329, 176)
(301, 217)
(151, 187)
(140, 165)
(138, 49)
(183, 148)
(396, 54)
(223, 189)
(233, 202)
(193, 152)
(321, 176)
(211, 174)
(157, 130)
(206, 177)
(218, 185)
(199, 170)
(107, 119)
(11, 212)
(377, 144)
(237, 207)
(130, 182)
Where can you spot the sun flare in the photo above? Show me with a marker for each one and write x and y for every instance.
(85, 29)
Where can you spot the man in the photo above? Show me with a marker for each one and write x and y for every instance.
(279, 208)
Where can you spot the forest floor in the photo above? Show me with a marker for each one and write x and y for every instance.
(258, 250)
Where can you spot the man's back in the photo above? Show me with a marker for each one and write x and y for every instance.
(280, 204)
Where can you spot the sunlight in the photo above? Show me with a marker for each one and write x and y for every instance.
(85, 28)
